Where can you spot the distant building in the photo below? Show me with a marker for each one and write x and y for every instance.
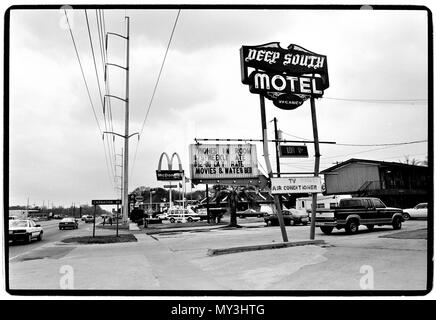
(396, 184)
(22, 213)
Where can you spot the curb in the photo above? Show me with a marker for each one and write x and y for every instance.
(214, 252)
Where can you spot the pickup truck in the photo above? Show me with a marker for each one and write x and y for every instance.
(353, 212)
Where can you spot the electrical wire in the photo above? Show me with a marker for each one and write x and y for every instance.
(378, 100)
(87, 87)
(99, 89)
(103, 57)
(365, 145)
(156, 85)
(83, 73)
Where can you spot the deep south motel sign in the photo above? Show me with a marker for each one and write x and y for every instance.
(288, 77)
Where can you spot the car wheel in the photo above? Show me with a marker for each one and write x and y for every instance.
(370, 227)
(190, 219)
(327, 230)
(352, 227)
(406, 216)
(304, 223)
(172, 220)
(396, 224)
(40, 236)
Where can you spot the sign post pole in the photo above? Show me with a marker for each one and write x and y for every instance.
(207, 203)
(268, 166)
(93, 227)
(117, 219)
(316, 171)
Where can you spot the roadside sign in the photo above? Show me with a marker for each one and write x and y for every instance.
(169, 175)
(287, 151)
(102, 202)
(282, 75)
(223, 161)
(296, 185)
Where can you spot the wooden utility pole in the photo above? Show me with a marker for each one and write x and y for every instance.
(316, 171)
(268, 166)
(276, 138)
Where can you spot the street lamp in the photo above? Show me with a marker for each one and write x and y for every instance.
(151, 205)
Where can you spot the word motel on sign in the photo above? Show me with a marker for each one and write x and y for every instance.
(289, 84)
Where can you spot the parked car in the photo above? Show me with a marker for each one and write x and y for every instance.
(68, 223)
(249, 213)
(290, 217)
(353, 212)
(182, 215)
(25, 230)
(89, 218)
(417, 212)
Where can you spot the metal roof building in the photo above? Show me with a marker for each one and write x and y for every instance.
(396, 184)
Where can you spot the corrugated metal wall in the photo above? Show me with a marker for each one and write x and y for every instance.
(351, 178)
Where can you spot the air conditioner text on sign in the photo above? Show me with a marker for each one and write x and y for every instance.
(296, 185)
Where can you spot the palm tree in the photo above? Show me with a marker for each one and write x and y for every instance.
(234, 194)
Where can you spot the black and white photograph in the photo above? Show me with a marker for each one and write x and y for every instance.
(218, 150)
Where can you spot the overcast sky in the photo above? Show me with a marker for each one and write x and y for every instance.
(56, 149)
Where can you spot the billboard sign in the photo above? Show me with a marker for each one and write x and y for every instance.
(223, 161)
(287, 151)
(296, 185)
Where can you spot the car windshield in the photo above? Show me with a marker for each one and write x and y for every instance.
(17, 223)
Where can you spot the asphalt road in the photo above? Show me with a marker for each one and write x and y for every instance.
(51, 234)
(177, 259)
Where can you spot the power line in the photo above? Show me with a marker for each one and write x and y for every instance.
(101, 96)
(380, 144)
(157, 83)
(86, 85)
(365, 145)
(103, 58)
(160, 72)
(378, 100)
(83, 74)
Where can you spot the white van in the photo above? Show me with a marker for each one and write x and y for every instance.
(182, 215)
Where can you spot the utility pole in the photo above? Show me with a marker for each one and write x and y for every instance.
(269, 169)
(317, 156)
(126, 133)
(126, 136)
(276, 137)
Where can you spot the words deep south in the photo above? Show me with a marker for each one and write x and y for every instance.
(272, 57)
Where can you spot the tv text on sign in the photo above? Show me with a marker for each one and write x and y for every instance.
(296, 185)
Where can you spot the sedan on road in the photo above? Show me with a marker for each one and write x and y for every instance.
(25, 230)
(68, 223)
(419, 211)
(290, 217)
